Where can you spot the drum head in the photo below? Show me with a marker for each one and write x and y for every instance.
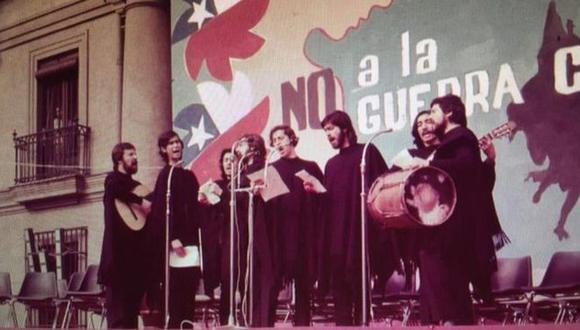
(429, 196)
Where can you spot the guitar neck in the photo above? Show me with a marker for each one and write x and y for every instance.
(502, 130)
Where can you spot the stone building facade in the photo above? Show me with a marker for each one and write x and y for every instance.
(101, 67)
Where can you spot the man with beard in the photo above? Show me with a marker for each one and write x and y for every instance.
(183, 228)
(489, 227)
(122, 265)
(424, 139)
(446, 252)
(342, 222)
(425, 142)
(293, 221)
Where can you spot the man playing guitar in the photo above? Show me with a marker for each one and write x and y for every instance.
(122, 259)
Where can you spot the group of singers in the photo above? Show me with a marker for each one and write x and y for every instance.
(310, 235)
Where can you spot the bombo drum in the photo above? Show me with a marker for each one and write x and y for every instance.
(412, 198)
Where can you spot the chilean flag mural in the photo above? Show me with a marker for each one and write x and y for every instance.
(243, 66)
(226, 109)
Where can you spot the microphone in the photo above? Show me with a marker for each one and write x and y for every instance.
(241, 147)
(270, 155)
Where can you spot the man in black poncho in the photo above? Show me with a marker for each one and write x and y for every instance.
(425, 142)
(488, 227)
(183, 228)
(122, 268)
(252, 153)
(216, 235)
(446, 252)
(293, 223)
(341, 253)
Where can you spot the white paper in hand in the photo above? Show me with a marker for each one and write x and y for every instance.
(212, 192)
(274, 185)
(191, 258)
(403, 159)
(307, 177)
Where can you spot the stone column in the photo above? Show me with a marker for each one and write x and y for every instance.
(146, 81)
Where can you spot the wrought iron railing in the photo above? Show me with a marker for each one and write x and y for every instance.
(52, 153)
(63, 251)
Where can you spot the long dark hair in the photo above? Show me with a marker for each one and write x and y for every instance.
(222, 156)
(415, 130)
(256, 144)
(342, 120)
(288, 131)
(163, 141)
(452, 103)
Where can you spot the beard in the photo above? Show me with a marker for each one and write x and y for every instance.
(130, 168)
(339, 140)
(439, 130)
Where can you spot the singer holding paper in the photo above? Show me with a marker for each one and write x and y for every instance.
(342, 227)
(184, 214)
(293, 222)
(215, 233)
(251, 152)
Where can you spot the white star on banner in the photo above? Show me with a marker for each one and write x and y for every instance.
(200, 14)
(199, 135)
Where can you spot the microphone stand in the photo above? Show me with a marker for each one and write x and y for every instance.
(363, 235)
(234, 178)
(250, 264)
(232, 316)
(167, 217)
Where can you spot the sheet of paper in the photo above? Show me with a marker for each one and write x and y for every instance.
(212, 192)
(403, 159)
(305, 176)
(191, 258)
(274, 185)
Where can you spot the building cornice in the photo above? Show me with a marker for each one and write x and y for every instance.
(52, 193)
(54, 20)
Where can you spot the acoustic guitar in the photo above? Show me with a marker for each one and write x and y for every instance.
(133, 215)
(505, 129)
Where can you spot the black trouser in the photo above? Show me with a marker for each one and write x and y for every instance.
(183, 284)
(301, 300)
(122, 302)
(444, 294)
(347, 301)
(302, 314)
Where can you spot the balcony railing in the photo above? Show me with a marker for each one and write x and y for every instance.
(52, 153)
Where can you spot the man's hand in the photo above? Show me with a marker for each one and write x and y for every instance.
(308, 186)
(146, 205)
(202, 198)
(488, 148)
(178, 248)
(416, 163)
(257, 186)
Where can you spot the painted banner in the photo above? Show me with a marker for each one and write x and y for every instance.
(243, 66)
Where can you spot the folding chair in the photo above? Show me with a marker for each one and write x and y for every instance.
(510, 286)
(6, 297)
(397, 301)
(89, 297)
(559, 290)
(322, 308)
(74, 284)
(39, 290)
(285, 303)
(207, 306)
